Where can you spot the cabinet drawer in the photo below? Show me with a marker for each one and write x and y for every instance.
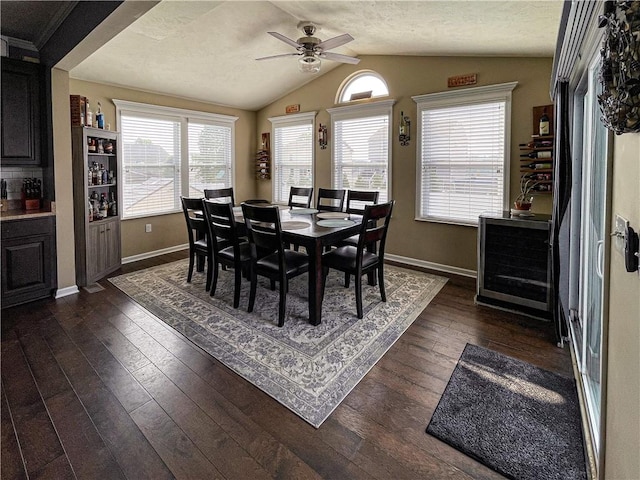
(26, 227)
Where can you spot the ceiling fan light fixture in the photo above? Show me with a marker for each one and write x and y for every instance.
(309, 64)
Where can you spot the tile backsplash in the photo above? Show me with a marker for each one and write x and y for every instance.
(14, 177)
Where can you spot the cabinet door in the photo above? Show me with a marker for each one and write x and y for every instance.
(20, 113)
(95, 255)
(112, 245)
(25, 268)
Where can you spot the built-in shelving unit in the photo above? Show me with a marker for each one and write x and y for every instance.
(97, 230)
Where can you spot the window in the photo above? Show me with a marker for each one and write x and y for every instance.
(361, 150)
(168, 152)
(463, 152)
(364, 84)
(292, 153)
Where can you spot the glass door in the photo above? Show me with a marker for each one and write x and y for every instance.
(587, 324)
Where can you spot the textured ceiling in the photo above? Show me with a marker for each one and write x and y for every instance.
(206, 50)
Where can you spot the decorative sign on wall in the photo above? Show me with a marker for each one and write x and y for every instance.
(620, 71)
(462, 80)
(292, 108)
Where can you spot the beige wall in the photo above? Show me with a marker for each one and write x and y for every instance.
(623, 373)
(63, 177)
(169, 230)
(407, 76)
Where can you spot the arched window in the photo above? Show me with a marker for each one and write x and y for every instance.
(363, 84)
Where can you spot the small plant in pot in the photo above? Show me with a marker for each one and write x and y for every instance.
(524, 200)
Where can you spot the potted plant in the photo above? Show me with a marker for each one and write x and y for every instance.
(524, 199)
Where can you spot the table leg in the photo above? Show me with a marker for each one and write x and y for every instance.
(315, 283)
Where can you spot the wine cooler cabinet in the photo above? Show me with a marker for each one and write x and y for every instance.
(514, 264)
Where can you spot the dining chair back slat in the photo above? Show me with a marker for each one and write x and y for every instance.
(330, 200)
(300, 197)
(220, 194)
(358, 200)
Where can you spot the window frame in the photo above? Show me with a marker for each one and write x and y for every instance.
(183, 117)
(469, 96)
(354, 77)
(365, 110)
(291, 120)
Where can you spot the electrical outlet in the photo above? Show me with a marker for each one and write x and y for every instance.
(147, 228)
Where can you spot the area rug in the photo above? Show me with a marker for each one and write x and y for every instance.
(309, 369)
(518, 419)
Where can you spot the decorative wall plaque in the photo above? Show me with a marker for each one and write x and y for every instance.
(462, 80)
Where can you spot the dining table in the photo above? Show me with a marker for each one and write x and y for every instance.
(315, 230)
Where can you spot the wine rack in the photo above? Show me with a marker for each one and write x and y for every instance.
(263, 160)
(536, 163)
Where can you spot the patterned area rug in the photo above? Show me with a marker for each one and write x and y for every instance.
(308, 369)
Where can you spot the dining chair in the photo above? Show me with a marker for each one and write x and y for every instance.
(229, 248)
(357, 260)
(220, 194)
(197, 231)
(257, 201)
(330, 200)
(278, 264)
(356, 203)
(300, 197)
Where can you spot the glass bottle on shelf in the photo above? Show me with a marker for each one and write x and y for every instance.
(113, 209)
(537, 166)
(104, 174)
(538, 154)
(104, 207)
(89, 116)
(100, 117)
(544, 123)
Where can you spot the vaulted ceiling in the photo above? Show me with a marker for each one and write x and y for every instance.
(206, 50)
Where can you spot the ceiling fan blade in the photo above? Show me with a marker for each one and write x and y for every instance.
(338, 57)
(335, 42)
(278, 56)
(286, 40)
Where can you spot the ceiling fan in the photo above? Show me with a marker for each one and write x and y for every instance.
(311, 49)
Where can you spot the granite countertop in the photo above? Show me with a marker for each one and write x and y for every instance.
(15, 211)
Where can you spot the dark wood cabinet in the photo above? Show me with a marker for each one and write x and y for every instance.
(514, 263)
(21, 113)
(28, 259)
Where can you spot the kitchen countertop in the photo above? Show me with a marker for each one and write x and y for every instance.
(13, 213)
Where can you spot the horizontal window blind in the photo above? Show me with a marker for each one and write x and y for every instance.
(150, 164)
(292, 157)
(361, 155)
(462, 161)
(210, 163)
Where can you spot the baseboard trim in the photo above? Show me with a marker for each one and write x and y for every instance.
(65, 292)
(430, 265)
(154, 253)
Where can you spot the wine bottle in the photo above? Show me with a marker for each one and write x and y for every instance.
(89, 116)
(100, 116)
(537, 166)
(544, 123)
(538, 154)
(537, 144)
(113, 209)
(537, 176)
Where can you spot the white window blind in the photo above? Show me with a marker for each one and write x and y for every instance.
(168, 152)
(209, 157)
(293, 137)
(361, 148)
(463, 152)
(151, 165)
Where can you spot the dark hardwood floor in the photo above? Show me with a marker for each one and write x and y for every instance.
(93, 386)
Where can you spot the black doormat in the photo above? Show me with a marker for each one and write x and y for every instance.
(517, 419)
